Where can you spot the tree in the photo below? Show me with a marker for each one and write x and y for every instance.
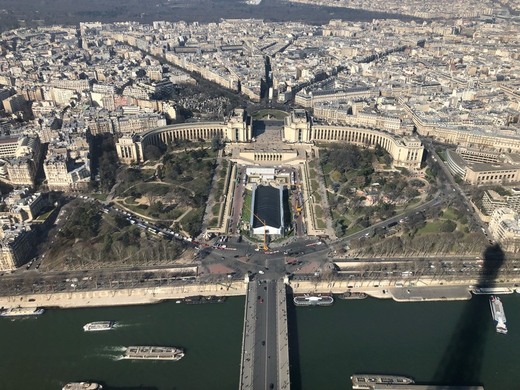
(107, 244)
(107, 173)
(156, 208)
(335, 176)
(448, 226)
(411, 193)
(152, 152)
(120, 221)
(216, 143)
(379, 151)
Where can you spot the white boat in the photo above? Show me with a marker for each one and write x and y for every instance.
(492, 290)
(313, 300)
(153, 353)
(82, 386)
(21, 311)
(497, 312)
(98, 326)
(371, 381)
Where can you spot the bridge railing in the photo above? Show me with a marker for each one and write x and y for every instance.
(282, 337)
(248, 335)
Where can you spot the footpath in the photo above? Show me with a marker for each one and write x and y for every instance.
(136, 296)
(120, 297)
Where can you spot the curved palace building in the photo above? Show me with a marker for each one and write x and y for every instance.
(298, 128)
(236, 129)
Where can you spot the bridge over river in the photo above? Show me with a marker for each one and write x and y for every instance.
(265, 345)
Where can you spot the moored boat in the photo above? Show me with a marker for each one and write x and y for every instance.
(153, 353)
(371, 381)
(198, 299)
(98, 326)
(313, 300)
(498, 314)
(492, 290)
(82, 386)
(21, 311)
(353, 295)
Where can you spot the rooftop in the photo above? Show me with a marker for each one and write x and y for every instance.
(267, 207)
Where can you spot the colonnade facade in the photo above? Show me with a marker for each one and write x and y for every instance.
(406, 151)
(132, 149)
(274, 157)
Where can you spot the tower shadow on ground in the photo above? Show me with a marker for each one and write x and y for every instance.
(259, 128)
(461, 362)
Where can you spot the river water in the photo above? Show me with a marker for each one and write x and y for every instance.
(437, 342)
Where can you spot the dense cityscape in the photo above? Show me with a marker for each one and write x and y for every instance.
(288, 161)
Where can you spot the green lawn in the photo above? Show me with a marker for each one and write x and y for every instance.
(158, 189)
(431, 227)
(246, 209)
(44, 216)
(141, 209)
(411, 203)
(354, 229)
(321, 224)
(318, 211)
(130, 200)
(312, 174)
(449, 213)
(317, 197)
(101, 197)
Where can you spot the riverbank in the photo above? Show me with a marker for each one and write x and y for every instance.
(142, 296)
(399, 294)
(122, 297)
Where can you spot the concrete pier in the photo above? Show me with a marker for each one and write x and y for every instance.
(121, 297)
(265, 345)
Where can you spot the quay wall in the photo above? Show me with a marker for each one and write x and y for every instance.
(122, 297)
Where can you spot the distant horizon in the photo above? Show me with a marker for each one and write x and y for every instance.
(61, 12)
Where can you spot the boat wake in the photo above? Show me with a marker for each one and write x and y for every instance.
(117, 358)
(119, 325)
(107, 356)
(115, 349)
(23, 318)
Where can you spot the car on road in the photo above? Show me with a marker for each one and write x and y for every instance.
(261, 272)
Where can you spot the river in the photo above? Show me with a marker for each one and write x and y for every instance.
(433, 342)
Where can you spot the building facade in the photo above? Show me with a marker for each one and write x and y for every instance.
(407, 152)
(16, 247)
(64, 173)
(238, 128)
(504, 227)
(483, 174)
